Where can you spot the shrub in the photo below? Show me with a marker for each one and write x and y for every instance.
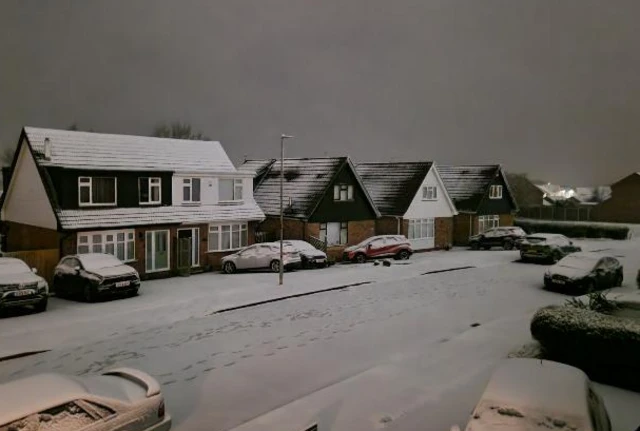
(606, 347)
(598, 301)
(574, 229)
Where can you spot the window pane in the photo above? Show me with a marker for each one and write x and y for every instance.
(109, 238)
(225, 190)
(120, 252)
(343, 235)
(83, 249)
(103, 190)
(83, 239)
(149, 251)
(155, 193)
(97, 239)
(97, 248)
(244, 238)
(343, 194)
(186, 193)
(435, 193)
(85, 195)
(411, 232)
(143, 185)
(226, 240)
(195, 193)
(214, 240)
(120, 236)
(130, 235)
(235, 239)
(350, 192)
(130, 250)
(109, 248)
(336, 193)
(238, 192)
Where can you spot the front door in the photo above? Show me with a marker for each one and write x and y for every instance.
(157, 250)
(333, 233)
(192, 258)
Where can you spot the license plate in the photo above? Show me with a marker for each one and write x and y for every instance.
(558, 281)
(122, 283)
(320, 260)
(26, 292)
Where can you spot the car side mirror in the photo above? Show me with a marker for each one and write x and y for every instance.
(34, 270)
(76, 269)
(570, 242)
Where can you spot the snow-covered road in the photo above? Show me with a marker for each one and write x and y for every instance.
(376, 352)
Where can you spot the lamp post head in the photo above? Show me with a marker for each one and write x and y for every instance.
(286, 136)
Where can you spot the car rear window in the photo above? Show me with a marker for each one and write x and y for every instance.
(68, 417)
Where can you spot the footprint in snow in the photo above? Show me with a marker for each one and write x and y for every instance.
(188, 367)
(229, 364)
(190, 378)
(201, 362)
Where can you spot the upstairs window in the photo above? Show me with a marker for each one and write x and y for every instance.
(149, 190)
(429, 193)
(191, 190)
(230, 189)
(495, 192)
(96, 191)
(342, 192)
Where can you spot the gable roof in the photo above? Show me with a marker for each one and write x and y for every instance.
(393, 186)
(102, 151)
(468, 184)
(306, 181)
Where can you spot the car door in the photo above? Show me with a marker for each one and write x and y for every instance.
(602, 274)
(266, 254)
(376, 247)
(487, 238)
(246, 258)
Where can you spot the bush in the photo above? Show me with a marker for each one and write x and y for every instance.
(574, 229)
(606, 347)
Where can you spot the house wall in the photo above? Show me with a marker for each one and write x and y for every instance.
(390, 226)
(443, 232)
(23, 237)
(26, 199)
(293, 228)
(490, 206)
(65, 183)
(359, 208)
(624, 204)
(209, 191)
(506, 219)
(462, 223)
(421, 208)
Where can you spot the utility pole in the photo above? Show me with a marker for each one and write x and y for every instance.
(282, 138)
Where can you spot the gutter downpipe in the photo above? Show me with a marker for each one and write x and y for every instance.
(399, 225)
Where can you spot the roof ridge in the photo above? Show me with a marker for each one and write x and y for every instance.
(82, 132)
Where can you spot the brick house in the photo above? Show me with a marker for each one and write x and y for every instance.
(623, 205)
(482, 196)
(157, 204)
(412, 201)
(325, 201)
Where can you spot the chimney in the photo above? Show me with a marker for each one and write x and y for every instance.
(47, 149)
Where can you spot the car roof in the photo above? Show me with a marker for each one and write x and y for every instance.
(588, 255)
(10, 260)
(36, 393)
(546, 235)
(539, 385)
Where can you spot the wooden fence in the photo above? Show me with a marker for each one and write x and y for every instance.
(44, 261)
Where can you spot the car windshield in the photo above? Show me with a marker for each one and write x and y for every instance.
(578, 262)
(13, 267)
(98, 261)
(298, 245)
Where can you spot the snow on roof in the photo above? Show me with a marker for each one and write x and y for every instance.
(73, 149)
(255, 166)
(467, 185)
(305, 182)
(392, 186)
(122, 217)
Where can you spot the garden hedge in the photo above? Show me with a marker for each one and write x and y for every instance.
(606, 347)
(574, 229)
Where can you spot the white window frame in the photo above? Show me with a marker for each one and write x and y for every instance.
(188, 183)
(424, 228)
(486, 222)
(238, 189)
(344, 233)
(83, 183)
(216, 231)
(343, 193)
(430, 193)
(495, 192)
(153, 182)
(86, 241)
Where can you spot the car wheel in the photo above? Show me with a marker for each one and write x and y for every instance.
(403, 255)
(486, 247)
(508, 245)
(475, 246)
(41, 306)
(555, 257)
(275, 266)
(523, 258)
(229, 268)
(89, 293)
(618, 280)
(360, 258)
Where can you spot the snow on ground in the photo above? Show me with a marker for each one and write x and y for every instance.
(392, 350)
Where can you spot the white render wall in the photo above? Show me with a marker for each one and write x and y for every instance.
(430, 209)
(26, 200)
(209, 188)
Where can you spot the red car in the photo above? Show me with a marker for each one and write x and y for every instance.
(396, 246)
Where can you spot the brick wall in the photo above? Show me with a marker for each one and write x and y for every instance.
(624, 204)
(358, 231)
(443, 232)
(23, 237)
(461, 229)
(293, 228)
(312, 229)
(388, 226)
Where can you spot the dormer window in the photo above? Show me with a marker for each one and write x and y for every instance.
(342, 192)
(191, 190)
(230, 189)
(149, 190)
(96, 191)
(495, 192)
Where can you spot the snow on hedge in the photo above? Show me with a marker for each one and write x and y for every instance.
(575, 229)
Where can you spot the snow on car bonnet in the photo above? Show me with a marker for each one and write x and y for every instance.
(12, 266)
(579, 261)
(99, 261)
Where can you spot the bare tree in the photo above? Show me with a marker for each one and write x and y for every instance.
(178, 130)
(6, 157)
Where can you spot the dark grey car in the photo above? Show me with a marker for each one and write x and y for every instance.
(584, 272)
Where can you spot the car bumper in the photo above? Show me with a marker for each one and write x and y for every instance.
(316, 262)
(8, 302)
(111, 289)
(165, 425)
(535, 256)
(563, 284)
(293, 265)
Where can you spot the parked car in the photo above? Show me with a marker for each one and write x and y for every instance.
(379, 246)
(527, 394)
(310, 256)
(264, 255)
(119, 399)
(94, 275)
(21, 286)
(585, 272)
(549, 247)
(505, 237)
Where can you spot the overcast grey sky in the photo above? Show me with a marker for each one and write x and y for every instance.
(545, 87)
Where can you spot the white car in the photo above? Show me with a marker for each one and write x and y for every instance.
(116, 400)
(533, 394)
(20, 286)
(264, 255)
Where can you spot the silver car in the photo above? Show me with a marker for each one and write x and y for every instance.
(265, 255)
(117, 400)
(19, 285)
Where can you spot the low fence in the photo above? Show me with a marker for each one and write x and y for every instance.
(557, 213)
(44, 261)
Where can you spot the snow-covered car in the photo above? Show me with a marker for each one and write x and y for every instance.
(548, 247)
(21, 286)
(379, 246)
(310, 256)
(119, 399)
(94, 275)
(506, 237)
(533, 394)
(265, 255)
(585, 272)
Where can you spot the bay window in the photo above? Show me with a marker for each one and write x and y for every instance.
(421, 228)
(230, 236)
(121, 244)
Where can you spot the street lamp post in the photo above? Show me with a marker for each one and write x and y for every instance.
(282, 138)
